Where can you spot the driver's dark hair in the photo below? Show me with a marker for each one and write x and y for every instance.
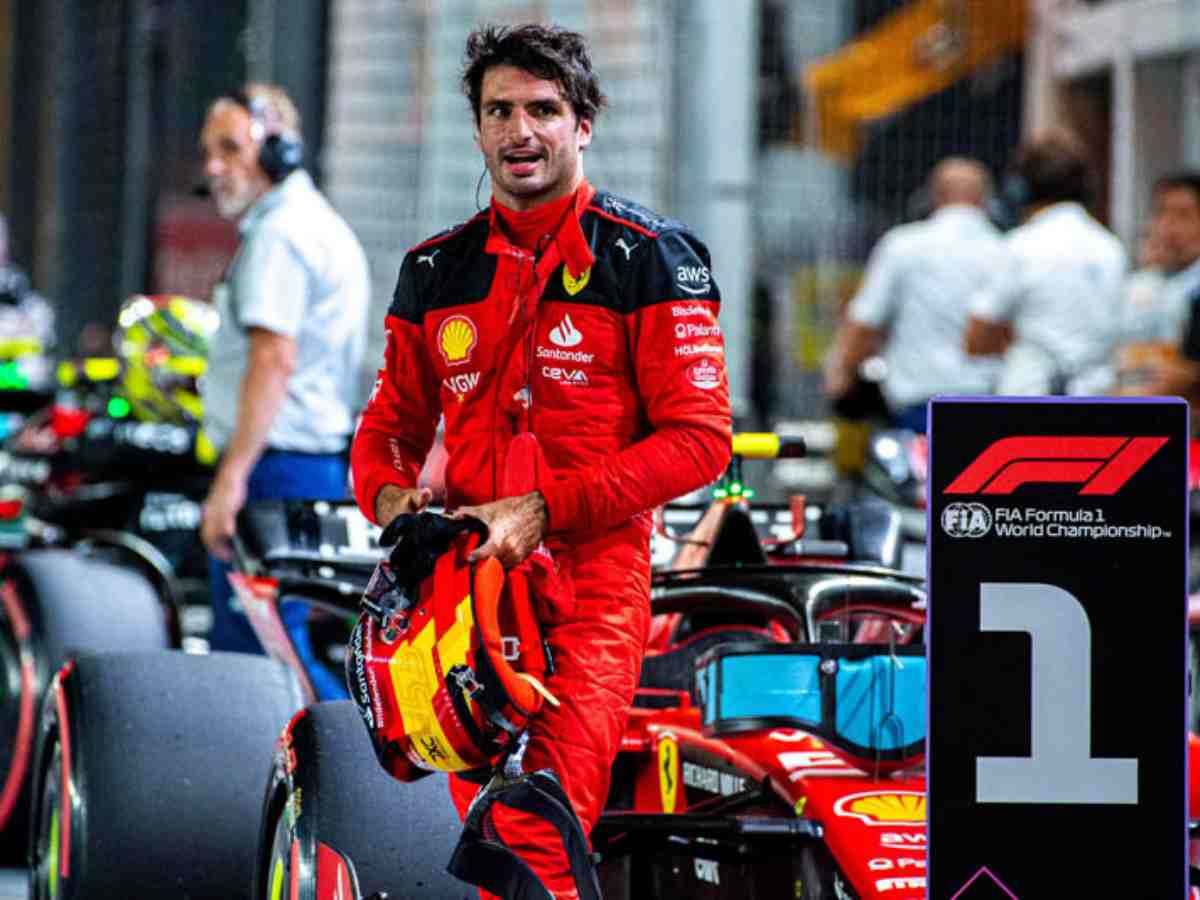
(544, 51)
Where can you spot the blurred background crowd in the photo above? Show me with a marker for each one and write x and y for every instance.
(794, 136)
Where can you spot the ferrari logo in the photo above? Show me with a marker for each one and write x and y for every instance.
(575, 285)
(668, 773)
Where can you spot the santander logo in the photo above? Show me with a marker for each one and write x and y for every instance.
(565, 334)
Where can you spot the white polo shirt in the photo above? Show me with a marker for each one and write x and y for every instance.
(1062, 294)
(300, 272)
(918, 281)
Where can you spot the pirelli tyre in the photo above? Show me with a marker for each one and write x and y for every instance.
(149, 774)
(54, 604)
(328, 801)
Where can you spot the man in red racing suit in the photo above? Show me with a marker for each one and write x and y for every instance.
(592, 323)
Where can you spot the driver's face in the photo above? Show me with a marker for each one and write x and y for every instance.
(531, 140)
(231, 159)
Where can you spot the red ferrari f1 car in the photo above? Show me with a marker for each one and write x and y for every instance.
(775, 749)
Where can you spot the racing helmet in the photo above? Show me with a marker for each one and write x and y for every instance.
(162, 343)
(446, 661)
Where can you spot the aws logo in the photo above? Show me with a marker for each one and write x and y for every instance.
(1101, 464)
(693, 279)
(456, 338)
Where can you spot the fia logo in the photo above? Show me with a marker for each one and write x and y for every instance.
(970, 520)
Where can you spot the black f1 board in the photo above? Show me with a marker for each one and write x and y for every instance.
(1057, 556)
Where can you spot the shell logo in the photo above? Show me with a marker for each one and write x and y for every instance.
(457, 337)
(878, 808)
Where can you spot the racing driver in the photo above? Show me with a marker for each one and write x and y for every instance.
(591, 322)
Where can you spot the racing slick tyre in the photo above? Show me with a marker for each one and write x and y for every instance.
(54, 604)
(329, 800)
(149, 774)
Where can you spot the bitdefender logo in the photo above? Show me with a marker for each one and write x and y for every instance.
(1101, 464)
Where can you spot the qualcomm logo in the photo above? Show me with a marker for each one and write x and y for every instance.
(564, 334)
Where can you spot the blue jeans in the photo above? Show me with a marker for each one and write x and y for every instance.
(280, 475)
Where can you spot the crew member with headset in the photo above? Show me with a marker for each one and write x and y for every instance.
(1052, 312)
(282, 381)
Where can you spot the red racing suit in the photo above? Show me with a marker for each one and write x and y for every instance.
(607, 347)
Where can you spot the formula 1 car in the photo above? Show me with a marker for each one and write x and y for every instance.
(99, 509)
(775, 748)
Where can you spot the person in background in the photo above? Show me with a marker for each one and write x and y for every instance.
(281, 387)
(24, 313)
(1144, 317)
(1052, 313)
(912, 306)
(1177, 221)
(1151, 319)
(589, 322)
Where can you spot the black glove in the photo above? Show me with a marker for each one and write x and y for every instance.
(418, 539)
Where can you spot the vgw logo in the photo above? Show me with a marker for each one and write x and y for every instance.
(1101, 464)
(970, 520)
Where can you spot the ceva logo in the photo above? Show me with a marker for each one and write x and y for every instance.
(1101, 464)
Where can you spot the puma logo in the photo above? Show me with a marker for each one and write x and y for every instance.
(428, 258)
(628, 248)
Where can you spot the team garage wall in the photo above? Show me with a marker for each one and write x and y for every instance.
(400, 160)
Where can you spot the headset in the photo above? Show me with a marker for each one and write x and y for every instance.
(279, 154)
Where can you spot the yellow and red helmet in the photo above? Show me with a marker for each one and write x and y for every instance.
(446, 662)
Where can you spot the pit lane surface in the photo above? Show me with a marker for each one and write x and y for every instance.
(14, 884)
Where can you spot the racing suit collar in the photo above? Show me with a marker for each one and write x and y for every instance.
(570, 240)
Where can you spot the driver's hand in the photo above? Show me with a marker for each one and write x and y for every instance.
(393, 500)
(218, 520)
(516, 525)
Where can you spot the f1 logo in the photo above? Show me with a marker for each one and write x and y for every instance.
(1102, 464)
